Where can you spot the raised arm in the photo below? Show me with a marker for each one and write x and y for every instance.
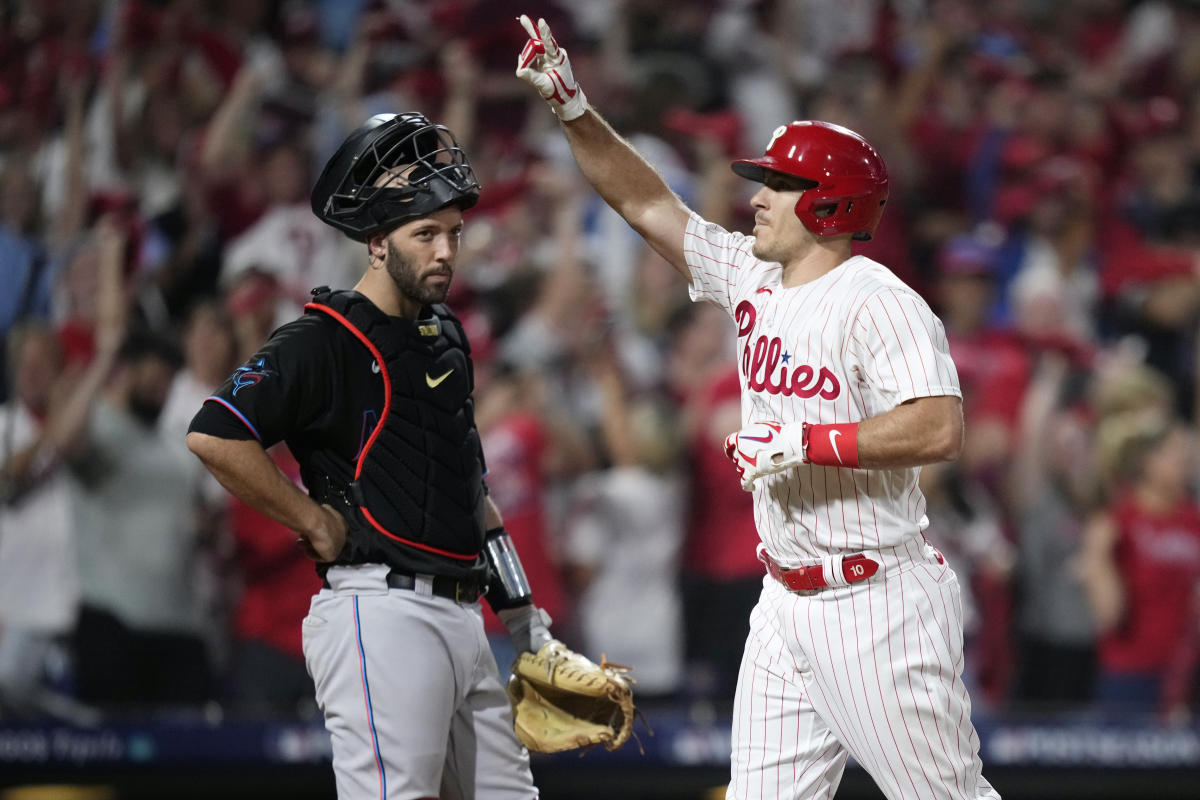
(617, 172)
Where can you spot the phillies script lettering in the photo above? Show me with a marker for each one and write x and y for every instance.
(761, 364)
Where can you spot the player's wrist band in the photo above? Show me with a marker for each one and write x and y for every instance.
(832, 445)
(507, 585)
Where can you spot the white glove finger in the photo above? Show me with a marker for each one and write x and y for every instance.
(531, 51)
(547, 39)
(527, 24)
(539, 80)
(752, 473)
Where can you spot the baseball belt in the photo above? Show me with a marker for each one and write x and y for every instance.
(460, 590)
(839, 570)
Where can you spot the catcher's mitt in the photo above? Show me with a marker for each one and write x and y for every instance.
(562, 701)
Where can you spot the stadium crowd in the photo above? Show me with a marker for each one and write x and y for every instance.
(155, 163)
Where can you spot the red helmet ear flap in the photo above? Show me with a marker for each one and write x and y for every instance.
(849, 175)
(846, 206)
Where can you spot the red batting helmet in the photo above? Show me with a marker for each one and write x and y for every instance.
(849, 179)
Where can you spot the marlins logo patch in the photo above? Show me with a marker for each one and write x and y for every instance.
(250, 375)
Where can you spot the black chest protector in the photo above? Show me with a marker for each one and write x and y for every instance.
(418, 481)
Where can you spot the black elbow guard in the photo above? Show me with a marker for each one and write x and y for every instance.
(507, 585)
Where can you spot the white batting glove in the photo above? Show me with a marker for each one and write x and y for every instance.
(765, 448)
(528, 627)
(545, 66)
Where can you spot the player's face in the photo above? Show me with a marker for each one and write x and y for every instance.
(39, 361)
(421, 255)
(149, 384)
(779, 234)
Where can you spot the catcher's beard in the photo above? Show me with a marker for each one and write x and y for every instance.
(403, 272)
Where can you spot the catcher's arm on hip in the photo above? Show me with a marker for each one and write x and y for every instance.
(248, 473)
(620, 175)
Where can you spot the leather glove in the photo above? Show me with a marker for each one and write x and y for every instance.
(545, 66)
(563, 701)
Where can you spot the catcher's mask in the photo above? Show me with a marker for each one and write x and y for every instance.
(393, 169)
(849, 181)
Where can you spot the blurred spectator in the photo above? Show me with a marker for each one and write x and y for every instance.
(966, 526)
(182, 251)
(137, 641)
(23, 258)
(39, 584)
(274, 584)
(529, 447)
(44, 429)
(251, 306)
(1151, 256)
(750, 43)
(288, 242)
(722, 576)
(1142, 557)
(568, 314)
(1124, 385)
(1055, 290)
(993, 365)
(624, 533)
(1181, 678)
(1053, 488)
(209, 356)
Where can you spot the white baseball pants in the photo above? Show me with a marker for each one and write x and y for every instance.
(872, 670)
(411, 695)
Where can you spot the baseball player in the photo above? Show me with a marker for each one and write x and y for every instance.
(372, 391)
(855, 646)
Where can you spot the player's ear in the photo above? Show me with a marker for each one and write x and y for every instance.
(377, 248)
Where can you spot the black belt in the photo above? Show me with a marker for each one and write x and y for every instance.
(460, 590)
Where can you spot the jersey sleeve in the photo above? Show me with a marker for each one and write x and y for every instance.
(902, 348)
(283, 388)
(717, 260)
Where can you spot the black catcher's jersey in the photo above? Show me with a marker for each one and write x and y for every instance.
(317, 386)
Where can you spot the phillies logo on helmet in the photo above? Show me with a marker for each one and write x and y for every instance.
(780, 131)
(765, 364)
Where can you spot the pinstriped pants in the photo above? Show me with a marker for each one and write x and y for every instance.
(872, 670)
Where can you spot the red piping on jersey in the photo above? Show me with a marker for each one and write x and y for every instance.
(387, 407)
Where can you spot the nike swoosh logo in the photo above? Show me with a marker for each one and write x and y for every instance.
(763, 439)
(433, 383)
(833, 443)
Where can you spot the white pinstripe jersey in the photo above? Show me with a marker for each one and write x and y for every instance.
(849, 345)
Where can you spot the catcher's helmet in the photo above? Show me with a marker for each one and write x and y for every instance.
(849, 179)
(428, 171)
